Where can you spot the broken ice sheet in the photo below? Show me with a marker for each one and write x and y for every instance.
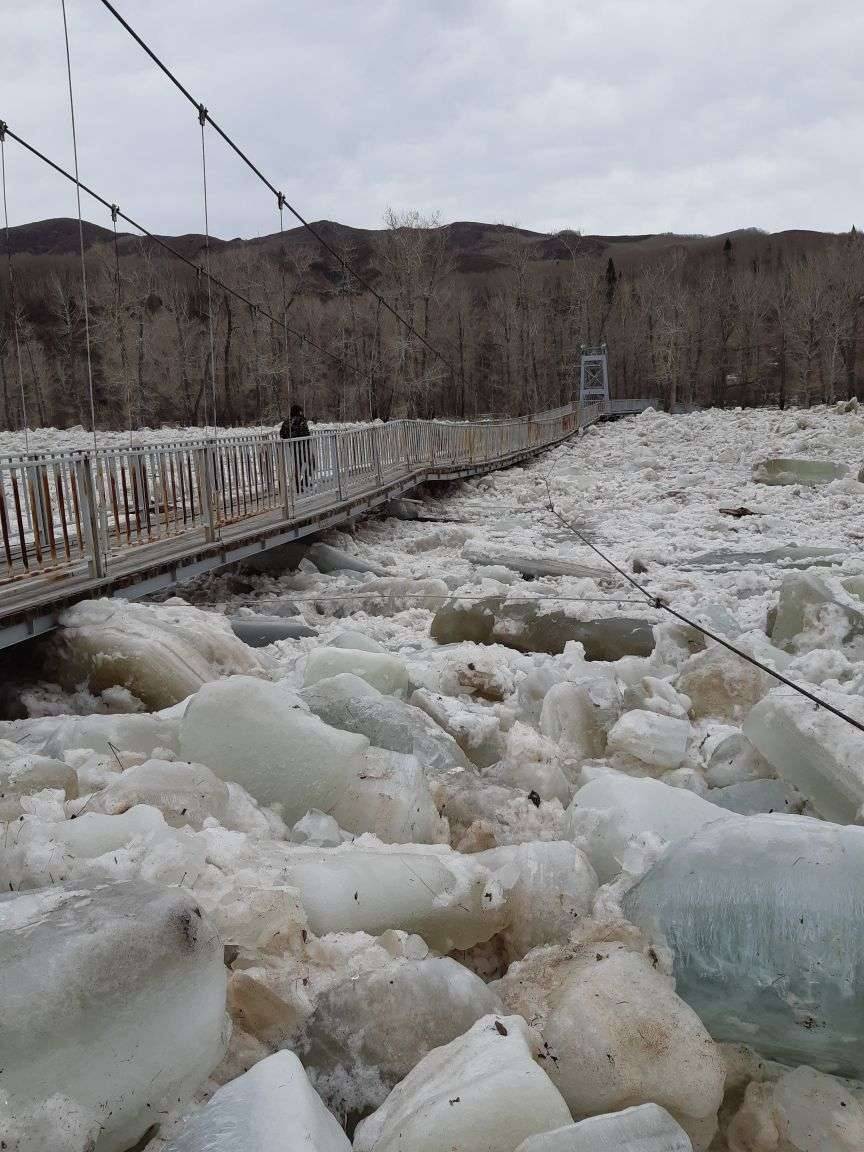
(488, 553)
(610, 810)
(112, 995)
(271, 1108)
(656, 740)
(787, 556)
(184, 793)
(368, 1031)
(451, 900)
(353, 705)
(391, 799)
(385, 672)
(549, 886)
(261, 631)
(818, 753)
(534, 626)
(160, 652)
(486, 1084)
(816, 611)
(255, 734)
(803, 1111)
(762, 914)
(795, 470)
(608, 1017)
(646, 1128)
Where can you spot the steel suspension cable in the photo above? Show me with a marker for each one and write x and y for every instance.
(280, 201)
(162, 243)
(115, 211)
(361, 280)
(80, 227)
(13, 302)
(202, 120)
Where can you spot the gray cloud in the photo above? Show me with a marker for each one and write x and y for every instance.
(613, 116)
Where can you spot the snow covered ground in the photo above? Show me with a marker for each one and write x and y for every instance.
(430, 877)
(16, 443)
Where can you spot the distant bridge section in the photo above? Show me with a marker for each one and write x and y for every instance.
(132, 521)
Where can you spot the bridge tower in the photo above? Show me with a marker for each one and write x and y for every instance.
(593, 374)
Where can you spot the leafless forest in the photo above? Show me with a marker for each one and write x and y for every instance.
(746, 319)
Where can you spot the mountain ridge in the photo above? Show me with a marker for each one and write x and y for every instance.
(475, 246)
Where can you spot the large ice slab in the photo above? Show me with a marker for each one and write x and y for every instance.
(654, 694)
(732, 759)
(532, 762)
(820, 754)
(656, 740)
(449, 899)
(357, 640)
(369, 1030)
(646, 1128)
(270, 1108)
(247, 730)
(817, 611)
(161, 652)
(26, 775)
(549, 885)
(722, 685)
(260, 631)
(536, 627)
(789, 556)
(57, 1124)
(183, 793)
(481, 1093)
(391, 799)
(607, 812)
(576, 717)
(35, 852)
(352, 704)
(385, 672)
(615, 1033)
(763, 917)
(797, 470)
(487, 553)
(385, 595)
(753, 796)
(113, 996)
(477, 730)
(52, 736)
(471, 621)
(803, 1111)
(328, 559)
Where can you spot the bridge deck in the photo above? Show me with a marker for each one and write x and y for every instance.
(132, 522)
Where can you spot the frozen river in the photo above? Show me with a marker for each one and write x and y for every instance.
(490, 853)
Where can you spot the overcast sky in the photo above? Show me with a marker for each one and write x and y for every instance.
(611, 116)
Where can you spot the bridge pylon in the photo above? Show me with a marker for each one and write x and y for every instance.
(593, 373)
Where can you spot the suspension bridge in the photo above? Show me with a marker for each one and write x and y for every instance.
(134, 520)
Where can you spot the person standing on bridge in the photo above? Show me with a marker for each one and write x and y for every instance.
(296, 428)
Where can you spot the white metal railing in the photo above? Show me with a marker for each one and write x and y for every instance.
(65, 508)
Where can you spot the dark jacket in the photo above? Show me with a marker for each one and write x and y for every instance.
(295, 428)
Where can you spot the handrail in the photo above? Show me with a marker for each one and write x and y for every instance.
(59, 509)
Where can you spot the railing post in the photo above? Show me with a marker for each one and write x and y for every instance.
(90, 518)
(287, 461)
(208, 491)
(337, 464)
(376, 444)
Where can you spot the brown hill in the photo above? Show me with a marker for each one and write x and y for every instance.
(474, 247)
